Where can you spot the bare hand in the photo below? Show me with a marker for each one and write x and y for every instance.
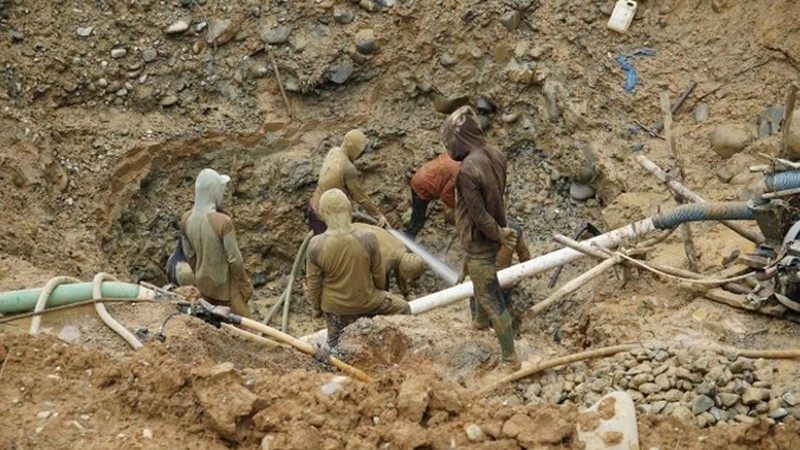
(382, 222)
(508, 238)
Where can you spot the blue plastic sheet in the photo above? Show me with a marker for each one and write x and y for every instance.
(625, 63)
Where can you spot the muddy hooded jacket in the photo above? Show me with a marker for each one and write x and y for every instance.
(209, 243)
(394, 253)
(437, 179)
(480, 184)
(344, 268)
(338, 171)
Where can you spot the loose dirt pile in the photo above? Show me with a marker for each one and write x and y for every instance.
(110, 109)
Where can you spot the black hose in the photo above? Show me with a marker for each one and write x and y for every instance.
(696, 212)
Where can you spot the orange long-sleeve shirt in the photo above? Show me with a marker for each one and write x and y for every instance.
(436, 179)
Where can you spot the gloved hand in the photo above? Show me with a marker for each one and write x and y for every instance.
(508, 238)
(383, 222)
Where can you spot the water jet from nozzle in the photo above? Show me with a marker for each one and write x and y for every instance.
(438, 266)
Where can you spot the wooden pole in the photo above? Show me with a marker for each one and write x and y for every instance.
(574, 284)
(304, 347)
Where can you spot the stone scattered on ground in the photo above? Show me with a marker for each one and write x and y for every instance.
(729, 139)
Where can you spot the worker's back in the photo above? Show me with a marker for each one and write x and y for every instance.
(205, 234)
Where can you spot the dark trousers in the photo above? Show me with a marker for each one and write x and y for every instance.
(391, 305)
(419, 212)
(315, 224)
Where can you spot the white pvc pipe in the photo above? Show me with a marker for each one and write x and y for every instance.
(97, 293)
(513, 274)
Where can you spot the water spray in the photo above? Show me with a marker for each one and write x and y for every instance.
(438, 266)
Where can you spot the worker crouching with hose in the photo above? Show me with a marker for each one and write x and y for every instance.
(344, 271)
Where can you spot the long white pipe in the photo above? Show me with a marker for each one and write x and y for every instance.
(513, 274)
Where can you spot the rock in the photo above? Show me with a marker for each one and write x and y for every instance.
(685, 374)
(43, 414)
(719, 414)
(701, 404)
(147, 433)
(660, 355)
(118, 53)
(368, 5)
(342, 73)
(701, 112)
(684, 414)
(673, 395)
(741, 365)
(366, 44)
(523, 72)
(705, 419)
(752, 396)
(149, 55)
(221, 31)
(728, 399)
(17, 36)
(708, 389)
(663, 381)
(729, 139)
(658, 406)
(649, 388)
(779, 413)
(474, 432)
(791, 399)
(200, 26)
(122, 92)
(762, 408)
(168, 100)
(84, 31)
(331, 388)
(343, 15)
(446, 105)
(744, 419)
(612, 419)
(446, 59)
(640, 379)
(581, 192)
(179, 26)
(276, 36)
(412, 399)
(510, 20)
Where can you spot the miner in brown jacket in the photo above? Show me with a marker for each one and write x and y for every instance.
(344, 270)
(209, 243)
(338, 171)
(481, 219)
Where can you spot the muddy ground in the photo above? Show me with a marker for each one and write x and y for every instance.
(99, 148)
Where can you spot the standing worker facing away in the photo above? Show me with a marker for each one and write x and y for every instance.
(209, 243)
(339, 172)
(435, 179)
(481, 219)
(344, 271)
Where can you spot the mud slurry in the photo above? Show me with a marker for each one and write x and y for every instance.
(98, 156)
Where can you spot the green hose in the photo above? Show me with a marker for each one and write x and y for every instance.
(25, 300)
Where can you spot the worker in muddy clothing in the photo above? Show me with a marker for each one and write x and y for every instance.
(504, 259)
(344, 271)
(481, 219)
(338, 171)
(405, 265)
(209, 243)
(434, 180)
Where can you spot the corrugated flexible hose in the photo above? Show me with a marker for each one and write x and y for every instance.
(697, 212)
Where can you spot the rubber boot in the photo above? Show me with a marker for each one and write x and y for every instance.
(480, 321)
(505, 334)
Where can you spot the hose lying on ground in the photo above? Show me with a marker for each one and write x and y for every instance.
(696, 212)
(44, 296)
(780, 181)
(79, 304)
(97, 292)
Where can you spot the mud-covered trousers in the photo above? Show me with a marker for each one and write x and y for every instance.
(489, 303)
(391, 305)
(419, 213)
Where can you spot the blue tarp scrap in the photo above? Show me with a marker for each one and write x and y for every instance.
(625, 63)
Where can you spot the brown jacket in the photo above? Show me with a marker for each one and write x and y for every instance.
(344, 273)
(437, 179)
(480, 184)
(209, 243)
